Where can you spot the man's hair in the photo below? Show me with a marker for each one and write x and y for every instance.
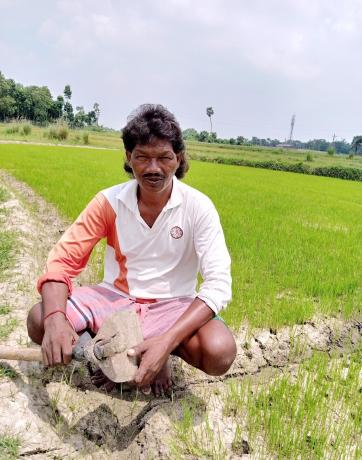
(150, 121)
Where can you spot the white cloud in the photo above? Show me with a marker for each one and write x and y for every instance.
(256, 62)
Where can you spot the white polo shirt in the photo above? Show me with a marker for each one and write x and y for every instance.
(152, 263)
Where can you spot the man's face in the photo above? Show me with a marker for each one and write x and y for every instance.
(154, 165)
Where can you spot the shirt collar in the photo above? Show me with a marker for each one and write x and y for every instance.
(128, 195)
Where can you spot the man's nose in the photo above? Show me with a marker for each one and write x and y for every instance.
(153, 165)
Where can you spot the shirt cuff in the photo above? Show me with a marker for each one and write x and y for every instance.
(210, 303)
(58, 277)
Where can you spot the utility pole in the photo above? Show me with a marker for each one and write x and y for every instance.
(291, 128)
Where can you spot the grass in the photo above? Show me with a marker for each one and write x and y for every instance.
(8, 327)
(6, 371)
(4, 309)
(316, 413)
(112, 139)
(294, 239)
(6, 241)
(188, 442)
(16, 132)
(9, 447)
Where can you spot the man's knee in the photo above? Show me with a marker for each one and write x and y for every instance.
(34, 324)
(218, 351)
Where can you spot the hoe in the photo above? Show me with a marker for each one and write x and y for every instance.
(107, 350)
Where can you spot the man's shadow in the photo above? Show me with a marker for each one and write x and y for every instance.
(101, 426)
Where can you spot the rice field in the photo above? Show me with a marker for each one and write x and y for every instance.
(295, 240)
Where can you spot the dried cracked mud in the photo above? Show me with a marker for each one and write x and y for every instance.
(59, 414)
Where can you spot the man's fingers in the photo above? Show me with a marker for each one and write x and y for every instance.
(67, 353)
(56, 354)
(137, 350)
(45, 357)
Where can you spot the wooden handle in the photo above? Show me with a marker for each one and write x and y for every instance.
(20, 354)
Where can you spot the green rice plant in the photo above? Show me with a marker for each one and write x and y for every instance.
(8, 327)
(4, 309)
(7, 372)
(315, 414)
(309, 157)
(7, 241)
(4, 195)
(331, 151)
(294, 239)
(190, 441)
(9, 447)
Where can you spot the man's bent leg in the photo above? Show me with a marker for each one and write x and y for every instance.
(35, 323)
(212, 348)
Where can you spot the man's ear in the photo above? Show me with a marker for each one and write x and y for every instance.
(128, 155)
(178, 156)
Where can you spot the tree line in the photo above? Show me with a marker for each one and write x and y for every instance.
(36, 104)
(322, 145)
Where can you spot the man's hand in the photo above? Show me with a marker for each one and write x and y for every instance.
(153, 354)
(59, 338)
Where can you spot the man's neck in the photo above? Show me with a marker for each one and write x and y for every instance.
(155, 200)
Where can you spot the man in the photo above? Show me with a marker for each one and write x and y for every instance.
(160, 234)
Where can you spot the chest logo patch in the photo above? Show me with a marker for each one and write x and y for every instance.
(176, 232)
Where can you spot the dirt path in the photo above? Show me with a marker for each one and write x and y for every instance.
(58, 414)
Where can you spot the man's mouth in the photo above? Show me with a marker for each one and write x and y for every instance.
(153, 179)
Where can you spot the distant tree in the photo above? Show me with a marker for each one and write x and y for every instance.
(212, 137)
(56, 110)
(67, 93)
(203, 136)
(356, 144)
(342, 146)
(80, 118)
(210, 113)
(91, 118)
(190, 134)
(7, 107)
(240, 140)
(97, 111)
(68, 112)
(232, 141)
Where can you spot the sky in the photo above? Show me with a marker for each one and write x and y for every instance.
(255, 62)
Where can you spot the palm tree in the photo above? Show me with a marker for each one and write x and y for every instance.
(210, 113)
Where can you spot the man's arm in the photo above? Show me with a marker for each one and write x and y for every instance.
(59, 335)
(66, 260)
(70, 255)
(154, 352)
(214, 294)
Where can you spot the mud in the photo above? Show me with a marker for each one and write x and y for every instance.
(59, 414)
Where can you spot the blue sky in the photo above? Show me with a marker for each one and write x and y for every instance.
(256, 62)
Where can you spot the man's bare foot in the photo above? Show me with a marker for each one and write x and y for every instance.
(162, 382)
(100, 380)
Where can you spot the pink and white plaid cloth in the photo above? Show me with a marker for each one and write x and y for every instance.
(89, 306)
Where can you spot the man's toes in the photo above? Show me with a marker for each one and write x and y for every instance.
(146, 390)
(109, 386)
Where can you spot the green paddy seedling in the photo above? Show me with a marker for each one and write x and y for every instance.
(294, 239)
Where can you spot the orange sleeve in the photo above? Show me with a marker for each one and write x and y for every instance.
(70, 255)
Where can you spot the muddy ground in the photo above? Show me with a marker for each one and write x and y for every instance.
(59, 414)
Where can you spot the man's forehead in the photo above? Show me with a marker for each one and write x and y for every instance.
(159, 146)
